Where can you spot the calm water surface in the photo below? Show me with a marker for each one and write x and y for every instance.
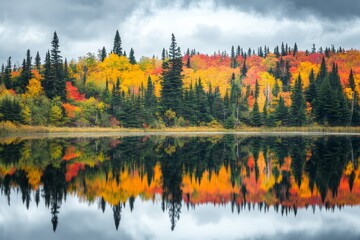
(163, 187)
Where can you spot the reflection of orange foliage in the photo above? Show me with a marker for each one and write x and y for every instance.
(251, 162)
(71, 153)
(72, 170)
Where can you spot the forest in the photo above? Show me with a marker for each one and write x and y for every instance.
(239, 88)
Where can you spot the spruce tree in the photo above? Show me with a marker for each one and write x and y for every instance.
(281, 114)
(117, 49)
(188, 64)
(56, 71)
(37, 62)
(218, 105)
(2, 74)
(132, 59)
(202, 103)
(310, 93)
(298, 105)
(255, 115)
(171, 92)
(7, 75)
(47, 85)
(256, 89)
(103, 54)
(26, 73)
(150, 98)
(244, 69)
(355, 108)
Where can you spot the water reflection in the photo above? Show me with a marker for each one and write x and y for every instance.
(246, 173)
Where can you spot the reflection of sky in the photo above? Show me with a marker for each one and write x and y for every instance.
(79, 220)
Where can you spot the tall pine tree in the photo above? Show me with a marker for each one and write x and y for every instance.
(117, 49)
(171, 92)
(298, 104)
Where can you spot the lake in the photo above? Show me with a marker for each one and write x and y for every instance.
(156, 186)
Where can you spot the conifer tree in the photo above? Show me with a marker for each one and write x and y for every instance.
(117, 49)
(150, 98)
(202, 103)
(47, 85)
(255, 115)
(132, 59)
(355, 108)
(7, 75)
(256, 89)
(56, 72)
(244, 69)
(298, 105)
(2, 74)
(103, 54)
(171, 92)
(310, 93)
(281, 114)
(37, 62)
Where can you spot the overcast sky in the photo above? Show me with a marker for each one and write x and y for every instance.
(146, 25)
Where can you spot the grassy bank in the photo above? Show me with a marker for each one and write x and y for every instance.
(9, 128)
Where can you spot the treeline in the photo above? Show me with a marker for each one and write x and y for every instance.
(57, 93)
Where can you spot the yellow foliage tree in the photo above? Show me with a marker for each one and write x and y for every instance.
(34, 88)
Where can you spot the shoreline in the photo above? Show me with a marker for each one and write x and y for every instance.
(45, 131)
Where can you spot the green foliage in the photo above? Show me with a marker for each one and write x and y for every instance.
(281, 115)
(117, 49)
(298, 104)
(255, 115)
(10, 110)
(171, 91)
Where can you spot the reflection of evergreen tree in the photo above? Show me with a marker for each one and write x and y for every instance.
(325, 167)
(54, 189)
(171, 169)
(298, 158)
(117, 215)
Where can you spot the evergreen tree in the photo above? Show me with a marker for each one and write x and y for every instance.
(56, 72)
(150, 102)
(103, 54)
(7, 75)
(276, 51)
(218, 105)
(233, 63)
(188, 65)
(281, 114)
(37, 62)
(132, 56)
(66, 71)
(283, 52)
(117, 49)
(256, 89)
(255, 115)
(276, 88)
(310, 93)
(244, 69)
(2, 74)
(355, 108)
(171, 92)
(47, 85)
(298, 105)
(202, 103)
(313, 49)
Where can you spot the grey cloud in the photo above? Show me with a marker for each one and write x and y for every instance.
(80, 22)
(328, 9)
